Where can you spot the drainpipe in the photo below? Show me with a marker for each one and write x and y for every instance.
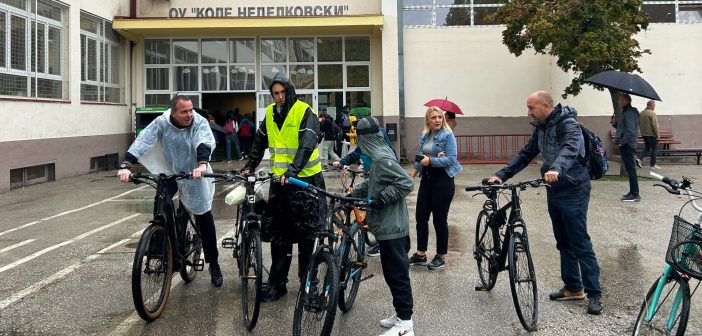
(401, 80)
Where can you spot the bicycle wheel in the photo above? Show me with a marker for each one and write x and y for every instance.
(251, 274)
(192, 249)
(485, 250)
(151, 273)
(674, 300)
(351, 266)
(315, 308)
(523, 281)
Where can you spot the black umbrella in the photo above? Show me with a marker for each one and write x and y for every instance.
(624, 82)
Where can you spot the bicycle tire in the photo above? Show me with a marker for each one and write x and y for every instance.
(523, 281)
(351, 266)
(657, 326)
(485, 250)
(316, 304)
(192, 249)
(251, 276)
(369, 238)
(153, 258)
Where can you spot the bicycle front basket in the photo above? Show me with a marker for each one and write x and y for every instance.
(685, 248)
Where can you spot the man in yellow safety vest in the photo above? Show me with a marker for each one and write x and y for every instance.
(289, 130)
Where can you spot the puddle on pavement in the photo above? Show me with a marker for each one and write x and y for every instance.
(455, 239)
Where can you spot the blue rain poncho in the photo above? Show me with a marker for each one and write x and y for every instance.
(163, 148)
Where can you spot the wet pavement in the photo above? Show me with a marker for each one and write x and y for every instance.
(66, 250)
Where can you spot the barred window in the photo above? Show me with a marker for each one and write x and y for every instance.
(33, 49)
(101, 64)
(671, 11)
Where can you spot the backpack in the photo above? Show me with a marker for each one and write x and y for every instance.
(595, 159)
(339, 133)
(245, 129)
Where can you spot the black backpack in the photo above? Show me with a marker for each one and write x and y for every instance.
(595, 155)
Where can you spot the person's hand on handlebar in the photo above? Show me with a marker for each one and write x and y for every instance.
(494, 180)
(551, 177)
(124, 175)
(199, 170)
(336, 164)
(245, 172)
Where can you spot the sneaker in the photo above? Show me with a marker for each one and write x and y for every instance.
(273, 292)
(625, 195)
(436, 263)
(416, 259)
(655, 167)
(631, 198)
(639, 163)
(216, 275)
(594, 306)
(564, 294)
(402, 328)
(390, 321)
(374, 251)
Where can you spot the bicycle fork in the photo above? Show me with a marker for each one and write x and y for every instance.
(670, 321)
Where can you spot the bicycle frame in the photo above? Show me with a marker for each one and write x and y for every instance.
(498, 217)
(670, 322)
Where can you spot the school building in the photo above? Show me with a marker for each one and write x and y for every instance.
(78, 78)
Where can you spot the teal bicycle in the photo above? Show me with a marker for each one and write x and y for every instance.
(666, 308)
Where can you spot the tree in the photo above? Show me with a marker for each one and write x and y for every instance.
(458, 16)
(585, 36)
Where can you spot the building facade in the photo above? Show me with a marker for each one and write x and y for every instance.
(75, 73)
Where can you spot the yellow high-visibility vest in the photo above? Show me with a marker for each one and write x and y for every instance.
(283, 143)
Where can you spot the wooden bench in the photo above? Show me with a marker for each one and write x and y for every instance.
(665, 138)
(489, 148)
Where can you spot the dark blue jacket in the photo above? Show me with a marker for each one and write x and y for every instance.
(560, 141)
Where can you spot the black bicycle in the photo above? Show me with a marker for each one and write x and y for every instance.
(171, 243)
(327, 284)
(246, 243)
(501, 243)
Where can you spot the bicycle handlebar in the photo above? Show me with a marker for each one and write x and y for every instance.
(140, 177)
(233, 175)
(485, 186)
(357, 202)
(674, 187)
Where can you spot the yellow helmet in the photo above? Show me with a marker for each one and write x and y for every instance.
(352, 118)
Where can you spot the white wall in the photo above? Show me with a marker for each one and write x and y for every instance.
(473, 68)
(40, 120)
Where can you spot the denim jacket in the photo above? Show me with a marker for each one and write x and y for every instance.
(443, 142)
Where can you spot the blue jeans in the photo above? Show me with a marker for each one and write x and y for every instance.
(579, 268)
(628, 153)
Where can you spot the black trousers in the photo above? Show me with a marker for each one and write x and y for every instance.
(205, 222)
(650, 146)
(395, 263)
(628, 153)
(281, 259)
(434, 198)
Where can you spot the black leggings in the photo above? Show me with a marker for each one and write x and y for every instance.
(434, 198)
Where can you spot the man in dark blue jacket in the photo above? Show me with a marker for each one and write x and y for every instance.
(557, 136)
(627, 136)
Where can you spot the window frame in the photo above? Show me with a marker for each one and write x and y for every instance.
(103, 61)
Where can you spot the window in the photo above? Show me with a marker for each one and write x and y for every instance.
(22, 177)
(33, 49)
(672, 11)
(439, 13)
(101, 66)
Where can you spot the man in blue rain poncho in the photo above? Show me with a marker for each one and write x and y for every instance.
(181, 141)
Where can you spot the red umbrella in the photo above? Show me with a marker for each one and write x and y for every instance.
(444, 104)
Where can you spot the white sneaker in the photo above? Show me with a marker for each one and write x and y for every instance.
(390, 321)
(656, 167)
(401, 328)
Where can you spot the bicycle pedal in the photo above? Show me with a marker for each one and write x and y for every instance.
(228, 243)
(367, 277)
(199, 264)
(481, 289)
(361, 264)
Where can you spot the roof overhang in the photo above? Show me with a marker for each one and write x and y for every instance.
(136, 29)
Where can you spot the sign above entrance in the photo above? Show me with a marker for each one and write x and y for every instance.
(256, 8)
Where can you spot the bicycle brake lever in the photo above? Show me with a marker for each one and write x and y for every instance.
(668, 189)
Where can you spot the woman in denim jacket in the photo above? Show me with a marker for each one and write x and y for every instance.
(437, 162)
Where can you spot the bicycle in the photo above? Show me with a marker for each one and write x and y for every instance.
(169, 231)
(348, 178)
(246, 245)
(317, 302)
(666, 307)
(501, 243)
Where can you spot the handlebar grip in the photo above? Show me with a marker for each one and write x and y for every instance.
(298, 183)
(370, 201)
(473, 188)
(667, 180)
